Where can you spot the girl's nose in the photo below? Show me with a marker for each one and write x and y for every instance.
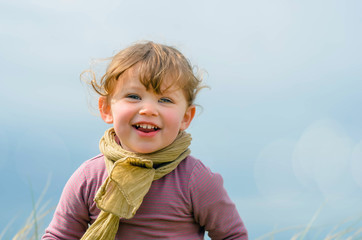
(148, 109)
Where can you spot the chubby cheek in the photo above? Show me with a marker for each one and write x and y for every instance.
(122, 116)
(173, 120)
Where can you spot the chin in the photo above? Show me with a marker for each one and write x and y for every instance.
(150, 149)
(145, 150)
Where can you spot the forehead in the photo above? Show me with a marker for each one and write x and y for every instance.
(131, 78)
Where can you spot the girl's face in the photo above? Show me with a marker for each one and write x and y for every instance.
(143, 120)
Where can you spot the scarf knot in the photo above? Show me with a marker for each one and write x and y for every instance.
(139, 162)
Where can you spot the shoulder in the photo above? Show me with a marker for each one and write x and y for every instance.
(202, 181)
(190, 167)
(197, 174)
(191, 164)
(184, 178)
(198, 169)
(94, 164)
(93, 171)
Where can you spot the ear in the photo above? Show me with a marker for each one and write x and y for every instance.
(105, 109)
(189, 115)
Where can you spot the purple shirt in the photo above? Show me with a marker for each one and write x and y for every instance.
(181, 205)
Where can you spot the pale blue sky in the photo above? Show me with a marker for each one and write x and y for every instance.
(281, 122)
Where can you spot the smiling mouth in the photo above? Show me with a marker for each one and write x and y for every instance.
(146, 128)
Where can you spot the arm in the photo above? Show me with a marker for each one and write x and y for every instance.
(71, 216)
(212, 206)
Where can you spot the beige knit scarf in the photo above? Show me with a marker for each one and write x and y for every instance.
(130, 178)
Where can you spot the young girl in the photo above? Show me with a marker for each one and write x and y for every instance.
(145, 185)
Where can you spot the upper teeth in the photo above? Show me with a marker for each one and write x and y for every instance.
(146, 126)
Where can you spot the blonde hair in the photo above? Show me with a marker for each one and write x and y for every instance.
(157, 62)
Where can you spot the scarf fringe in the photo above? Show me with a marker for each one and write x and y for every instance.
(104, 228)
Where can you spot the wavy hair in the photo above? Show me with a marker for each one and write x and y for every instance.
(157, 62)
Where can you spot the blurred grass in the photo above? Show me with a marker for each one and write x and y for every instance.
(30, 229)
(349, 229)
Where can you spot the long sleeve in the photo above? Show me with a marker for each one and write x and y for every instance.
(71, 216)
(212, 207)
(180, 205)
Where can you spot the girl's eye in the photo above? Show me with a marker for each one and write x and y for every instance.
(133, 96)
(165, 100)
